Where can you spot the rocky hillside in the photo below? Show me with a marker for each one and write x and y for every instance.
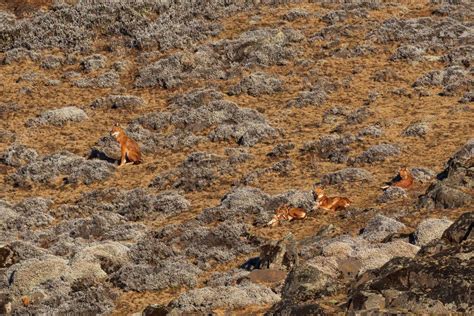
(239, 107)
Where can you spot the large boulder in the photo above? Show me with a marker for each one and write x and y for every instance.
(281, 255)
(430, 229)
(455, 182)
(435, 281)
(379, 227)
(439, 195)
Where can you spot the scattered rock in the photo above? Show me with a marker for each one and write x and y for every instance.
(379, 227)
(228, 297)
(333, 114)
(197, 172)
(198, 112)
(408, 53)
(7, 257)
(174, 272)
(422, 174)
(7, 136)
(107, 79)
(295, 14)
(453, 79)
(372, 130)
(238, 205)
(385, 75)
(281, 150)
(73, 169)
(333, 147)
(376, 153)
(313, 97)
(439, 195)
(137, 204)
(52, 83)
(17, 55)
(430, 229)
(439, 280)
(52, 62)
(451, 191)
(416, 129)
(58, 117)
(93, 62)
(30, 213)
(281, 255)
(166, 73)
(257, 84)
(468, 97)
(156, 310)
(392, 193)
(347, 175)
(281, 168)
(17, 155)
(358, 116)
(128, 102)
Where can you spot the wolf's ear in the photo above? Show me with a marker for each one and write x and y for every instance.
(116, 124)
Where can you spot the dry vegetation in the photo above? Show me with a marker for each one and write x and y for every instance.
(372, 90)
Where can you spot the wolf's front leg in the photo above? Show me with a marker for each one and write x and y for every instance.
(123, 158)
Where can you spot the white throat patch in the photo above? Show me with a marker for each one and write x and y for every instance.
(115, 134)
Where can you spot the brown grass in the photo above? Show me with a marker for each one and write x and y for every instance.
(449, 131)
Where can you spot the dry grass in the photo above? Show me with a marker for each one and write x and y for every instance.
(24, 8)
(449, 131)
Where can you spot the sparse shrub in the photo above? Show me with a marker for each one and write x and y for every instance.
(17, 155)
(107, 79)
(93, 62)
(166, 73)
(257, 84)
(333, 147)
(295, 14)
(74, 169)
(347, 175)
(197, 172)
(391, 194)
(52, 62)
(171, 273)
(418, 129)
(206, 299)
(58, 117)
(281, 150)
(408, 52)
(128, 102)
(372, 130)
(17, 55)
(376, 153)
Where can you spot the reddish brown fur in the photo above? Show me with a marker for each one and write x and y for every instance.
(128, 147)
(334, 203)
(287, 213)
(406, 181)
(25, 300)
